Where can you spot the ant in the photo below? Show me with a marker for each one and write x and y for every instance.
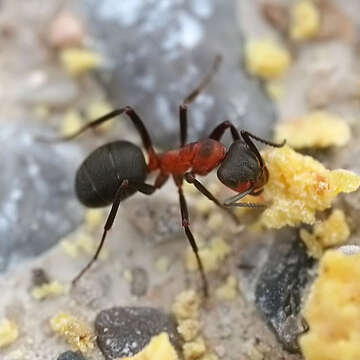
(117, 170)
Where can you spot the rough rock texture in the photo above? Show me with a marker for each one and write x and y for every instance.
(36, 194)
(157, 51)
(125, 331)
(70, 355)
(280, 287)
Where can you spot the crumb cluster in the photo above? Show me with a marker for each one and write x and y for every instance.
(333, 310)
(299, 186)
(76, 332)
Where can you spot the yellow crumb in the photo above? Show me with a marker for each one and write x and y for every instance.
(70, 248)
(203, 205)
(305, 22)
(41, 111)
(50, 289)
(159, 348)
(195, 349)
(16, 355)
(78, 61)
(94, 218)
(317, 129)
(266, 59)
(8, 332)
(275, 90)
(299, 186)
(97, 109)
(227, 291)
(186, 305)
(77, 333)
(210, 356)
(162, 264)
(81, 243)
(71, 122)
(214, 188)
(215, 220)
(334, 231)
(254, 353)
(188, 329)
(189, 188)
(333, 310)
(128, 276)
(212, 255)
(313, 246)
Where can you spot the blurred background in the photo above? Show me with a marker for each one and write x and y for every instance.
(63, 63)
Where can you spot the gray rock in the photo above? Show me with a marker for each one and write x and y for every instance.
(37, 202)
(139, 281)
(124, 331)
(158, 50)
(70, 355)
(280, 285)
(158, 220)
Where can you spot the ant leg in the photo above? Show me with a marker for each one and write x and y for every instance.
(232, 201)
(192, 96)
(107, 227)
(245, 133)
(189, 235)
(246, 136)
(190, 178)
(134, 117)
(143, 188)
(218, 132)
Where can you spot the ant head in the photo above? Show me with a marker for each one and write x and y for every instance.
(241, 168)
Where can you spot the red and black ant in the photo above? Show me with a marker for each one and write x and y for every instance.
(117, 170)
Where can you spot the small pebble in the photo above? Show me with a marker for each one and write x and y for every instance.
(70, 355)
(66, 30)
(125, 331)
(139, 281)
(39, 277)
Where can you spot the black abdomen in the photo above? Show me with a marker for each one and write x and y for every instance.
(102, 172)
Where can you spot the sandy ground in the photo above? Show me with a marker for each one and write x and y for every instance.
(232, 328)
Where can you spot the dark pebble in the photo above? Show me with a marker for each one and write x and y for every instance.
(39, 277)
(280, 287)
(124, 331)
(70, 355)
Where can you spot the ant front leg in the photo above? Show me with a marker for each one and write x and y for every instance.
(192, 96)
(143, 188)
(233, 200)
(219, 131)
(190, 236)
(246, 136)
(191, 179)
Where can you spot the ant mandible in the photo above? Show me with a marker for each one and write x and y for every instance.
(117, 170)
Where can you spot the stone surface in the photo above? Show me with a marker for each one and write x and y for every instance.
(37, 203)
(280, 286)
(157, 51)
(158, 219)
(124, 331)
(70, 355)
